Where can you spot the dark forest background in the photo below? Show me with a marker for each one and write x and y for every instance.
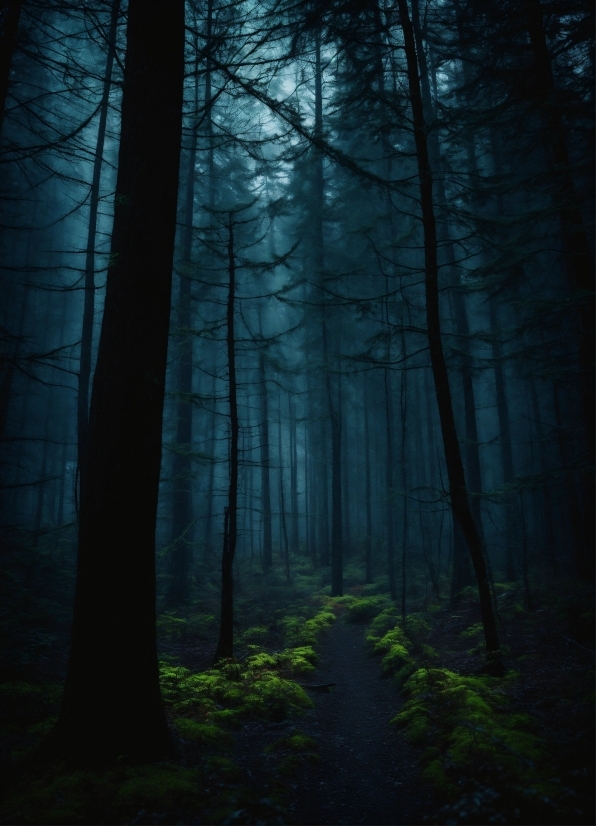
(306, 418)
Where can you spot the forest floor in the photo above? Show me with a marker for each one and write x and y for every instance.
(363, 771)
(341, 761)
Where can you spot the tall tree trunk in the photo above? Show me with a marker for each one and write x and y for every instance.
(332, 408)
(573, 500)
(9, 373)
(367, 494)
(11, 13)
(89, 283)
(337, 582)
(455, 471)
(461, 574)
(211, 479)
(389, 502)
(504, 438)
(547, 503)
(225, 643)
(579, 259)
(114, 609)
(294, 478)
(285, 545)
(182, 511)
(265, 469)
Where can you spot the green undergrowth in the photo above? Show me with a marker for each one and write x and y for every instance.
(259, 686)
(118, 795)
(203, 782)
(292, 753)
(487, 761)
(467, 729)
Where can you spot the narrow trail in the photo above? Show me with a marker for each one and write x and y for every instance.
(368, 773)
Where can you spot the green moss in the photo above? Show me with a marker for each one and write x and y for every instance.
(463, 721)
(115, 795)
(381, 624)
(394, 659)
(473, 631)
(364, 609)
(254, 634)
(394, 637)
(204, 733)
(171, 626)
(159, 788)
(299, 631)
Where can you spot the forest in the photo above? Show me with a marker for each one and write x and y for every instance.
(297, 411)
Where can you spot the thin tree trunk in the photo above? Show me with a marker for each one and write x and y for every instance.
(285, 546)
(182, 511)
(114, 611)
(367, 494)
(461, 574)
(294, 478)
(389, 503)
(457, 485)
(211, 481)
(225, 643)
(547, 503)
(265, 469)
(504, 438)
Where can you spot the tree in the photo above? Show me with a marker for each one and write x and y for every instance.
(225, 643)
(112, 705)
(10, 11)
(457, 484)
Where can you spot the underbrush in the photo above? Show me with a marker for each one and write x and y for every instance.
(483, 750)
(204, 709)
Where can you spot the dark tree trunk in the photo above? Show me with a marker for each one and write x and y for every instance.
(389, 504)
(504, 438)
(11, 13)
(112, 704)
(547, 506)
(579, 257)
(211, 481)
(285, 545)
(294, 478)
(457, 485)
(265, 469)
(573, 500)
(225, 643)
(332, 409)
(462, 574)
(89, 284)
(9, 373)
(367, 494)
(182, 511)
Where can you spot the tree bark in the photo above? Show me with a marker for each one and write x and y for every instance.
(367, 494)
(225, 644)
(182, 510)
(8, 38)
(579, 258)
(112, 705)
(89, 283)
(457, 484)
(461, 574)
(265, 469)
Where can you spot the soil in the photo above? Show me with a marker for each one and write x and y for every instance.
(366, 772)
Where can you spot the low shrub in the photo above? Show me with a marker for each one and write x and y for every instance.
(468, 731)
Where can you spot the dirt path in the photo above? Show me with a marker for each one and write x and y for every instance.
(368, 774)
